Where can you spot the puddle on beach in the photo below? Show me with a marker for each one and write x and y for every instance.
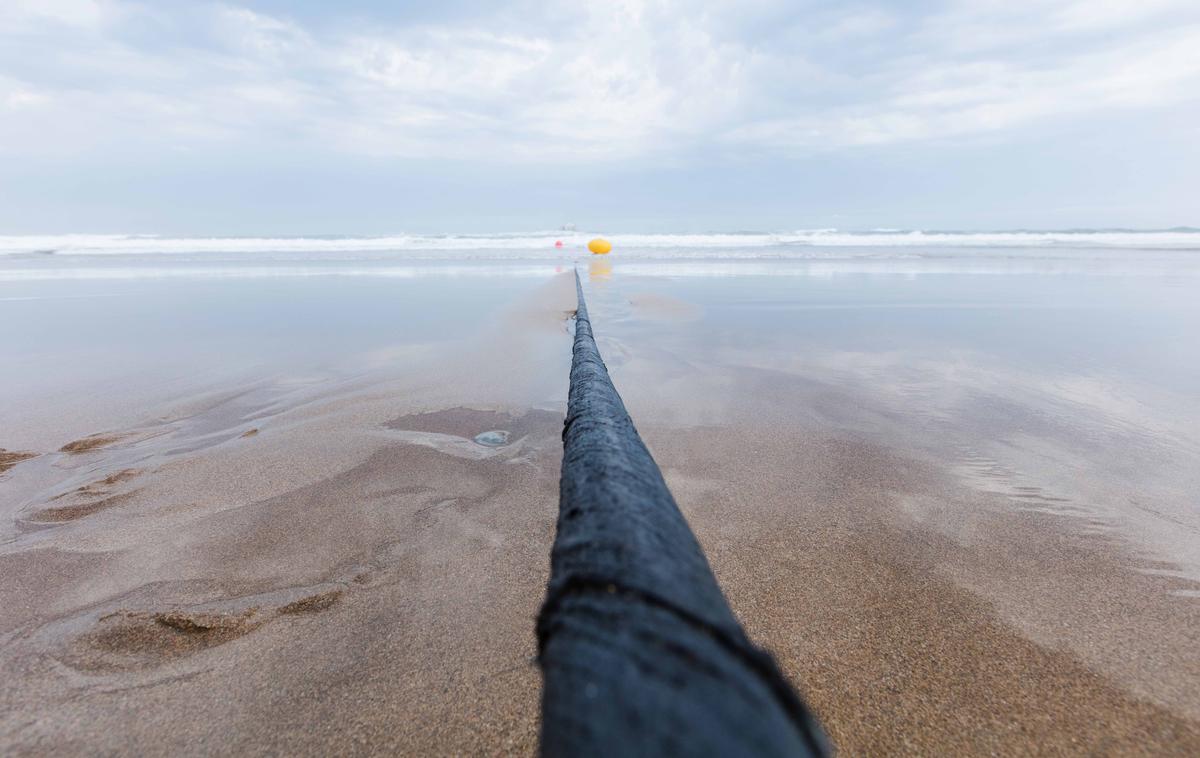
(494, 438)
(472, 433)
(487, 428)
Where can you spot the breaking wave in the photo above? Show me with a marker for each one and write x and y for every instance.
(798, 244)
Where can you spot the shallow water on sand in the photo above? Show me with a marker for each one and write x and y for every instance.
(78, 349)
(1071, 392)
(899, 474)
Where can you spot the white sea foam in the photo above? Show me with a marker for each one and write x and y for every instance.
(1180, 266)
(796, 244)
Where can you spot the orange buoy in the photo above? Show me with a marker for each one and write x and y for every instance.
(600, 246)
(558, 243)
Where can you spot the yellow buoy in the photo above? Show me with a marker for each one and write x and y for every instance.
(600, 246)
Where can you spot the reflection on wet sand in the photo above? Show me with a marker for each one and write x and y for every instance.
(938, 527)
(600, 268)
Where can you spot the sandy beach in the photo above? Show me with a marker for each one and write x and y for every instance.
(599, 378)
(957, 534)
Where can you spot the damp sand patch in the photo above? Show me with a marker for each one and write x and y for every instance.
(101, 486)
(131, 639)
(474, 434)
(92, 442)
(659, 307)
(87, 499)
(10, 458)
(139, 639)
(312, 603)
(105, 440)
(493, 438)
(63, 513)
(485, 427)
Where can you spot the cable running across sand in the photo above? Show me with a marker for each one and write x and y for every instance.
(639, 651)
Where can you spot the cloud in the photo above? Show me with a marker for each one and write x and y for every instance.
(17, 15)
(930, 99)
(601, 80)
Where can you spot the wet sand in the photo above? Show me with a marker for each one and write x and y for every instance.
(925, 597)
(860, 603)
(321, 568)
(340, 568)
(387, 608)
(9, 458)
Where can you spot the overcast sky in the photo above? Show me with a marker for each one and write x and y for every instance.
(275, 117)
